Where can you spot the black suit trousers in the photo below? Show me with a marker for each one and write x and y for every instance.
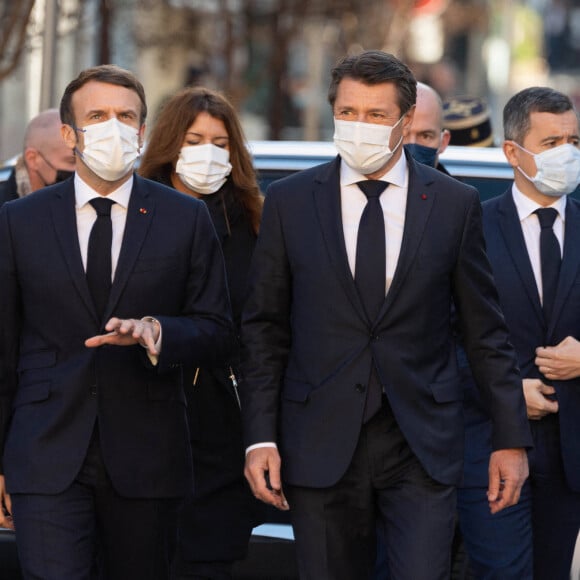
(385, 487)
(553, 501)
(90, 532)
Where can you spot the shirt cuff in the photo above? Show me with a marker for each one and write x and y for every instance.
(258, 445)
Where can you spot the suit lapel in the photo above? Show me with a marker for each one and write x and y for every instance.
(511, 230)
(65, 225)
(570, 261)
(327, 203)
(139, 215)
(420, 199)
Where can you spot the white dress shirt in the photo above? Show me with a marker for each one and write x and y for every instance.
(394, 203)
(531, 229)
(87, 215)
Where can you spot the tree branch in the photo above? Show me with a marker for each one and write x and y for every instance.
(14, 35)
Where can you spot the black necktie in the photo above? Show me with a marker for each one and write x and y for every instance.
(550, 257)
(370, 273)
(99, 253)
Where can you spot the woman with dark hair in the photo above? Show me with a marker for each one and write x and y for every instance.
(197, 146)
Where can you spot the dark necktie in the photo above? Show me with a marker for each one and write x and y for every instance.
(370, 270)
(550, 258)
(99, 254)
(370, 273)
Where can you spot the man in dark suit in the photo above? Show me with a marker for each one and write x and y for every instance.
(96, 454)
(353, 398)
(536, 266)
(499, 545)
(45, 158)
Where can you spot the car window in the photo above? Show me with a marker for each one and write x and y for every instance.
(485, 168)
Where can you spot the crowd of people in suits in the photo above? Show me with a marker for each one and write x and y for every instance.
(373, 352)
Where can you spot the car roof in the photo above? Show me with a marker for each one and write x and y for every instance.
(296, 155)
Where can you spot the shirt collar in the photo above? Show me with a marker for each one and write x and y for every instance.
(526, 206)
(397, 175)
(84, 192)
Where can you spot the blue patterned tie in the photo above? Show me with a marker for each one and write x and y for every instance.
(550, 258)
(99, 254)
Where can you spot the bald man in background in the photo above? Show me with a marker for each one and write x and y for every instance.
(427, 139)
(45, 158)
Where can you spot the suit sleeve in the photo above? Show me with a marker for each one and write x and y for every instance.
(266, 331)
(10, 315)
(203, 334)
(491, 356)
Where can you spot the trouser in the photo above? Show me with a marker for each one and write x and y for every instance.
(90, 532)
(335, 527)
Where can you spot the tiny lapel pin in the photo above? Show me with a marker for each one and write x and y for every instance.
(142, 210)
(423, 196)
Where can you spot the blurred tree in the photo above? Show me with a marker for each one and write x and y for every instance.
(467, 25)
(277, 28)
(248, 48)
(106, 11)
(14, 19)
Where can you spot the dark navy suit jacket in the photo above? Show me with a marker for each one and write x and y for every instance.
(522, 309)
(308, 344)
(53, 388)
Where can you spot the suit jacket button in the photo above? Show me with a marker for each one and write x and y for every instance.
(360, 388)
(93, 390)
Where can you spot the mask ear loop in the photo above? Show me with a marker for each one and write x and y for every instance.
(76, 150)
(522, 148)
(525, 174)
(397, 145)
(46, 161)
(44, 182)
(401, 139)
(530, 179)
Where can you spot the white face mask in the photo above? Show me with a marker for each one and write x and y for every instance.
(203, 168)
(558, 170)
(110, 148)
(364, 146)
